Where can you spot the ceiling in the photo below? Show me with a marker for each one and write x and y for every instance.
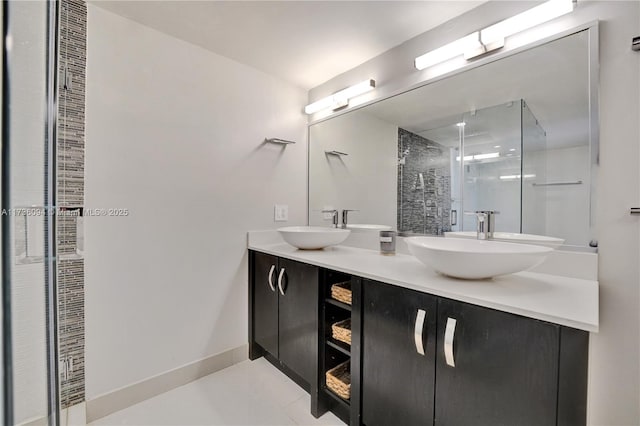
(303, 42)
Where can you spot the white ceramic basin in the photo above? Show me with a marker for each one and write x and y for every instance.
(313, 237)
(512, 237)
(368, 227)
(475, 259)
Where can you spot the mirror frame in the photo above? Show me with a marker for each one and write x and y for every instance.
(592, 29)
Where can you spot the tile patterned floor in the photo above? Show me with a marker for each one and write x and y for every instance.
(249, 393)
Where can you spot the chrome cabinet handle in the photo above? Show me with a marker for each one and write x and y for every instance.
(449, 334)
(273, 268)
(417, 331)
(280, 281)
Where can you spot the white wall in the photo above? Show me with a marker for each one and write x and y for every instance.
(558, 211)
(615, 353)
(345, 182)
(174, 135)
(534, 198)
(614, 386)
(484, 190)
(567, 204)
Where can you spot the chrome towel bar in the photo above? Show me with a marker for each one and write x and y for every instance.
(277, 140)
(577, 182)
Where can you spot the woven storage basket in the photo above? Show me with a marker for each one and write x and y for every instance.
(342, 292)
(342, 331)
(339, 380)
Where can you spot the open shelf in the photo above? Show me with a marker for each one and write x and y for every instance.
(337, 303)
(338, 345)
(340, 407)
(329, 392)
(333, 314)
(334, 352)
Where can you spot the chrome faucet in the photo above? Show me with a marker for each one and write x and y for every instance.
(345, 213)
(486, 223)
(334, 215)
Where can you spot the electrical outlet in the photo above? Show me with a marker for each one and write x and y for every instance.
(281, 213)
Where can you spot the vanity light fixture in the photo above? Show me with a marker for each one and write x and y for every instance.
(480, 156)
(493, 37)
(527, 19)
(486, 156)
(341, 99)
(511, 177)
(448, 51)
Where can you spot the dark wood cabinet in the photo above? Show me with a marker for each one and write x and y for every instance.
(494, 368)
(265, 306)
(298, 317)
(398, 361)
(283, 299)
(415, 358)
(481, 366)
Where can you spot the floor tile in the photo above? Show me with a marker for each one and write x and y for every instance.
(248, 393)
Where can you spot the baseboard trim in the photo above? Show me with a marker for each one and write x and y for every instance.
(38, 421)
(127, 396)
(71, 416)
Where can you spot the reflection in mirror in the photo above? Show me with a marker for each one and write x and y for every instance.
(365, 179)
(491, 170)
(505, 136)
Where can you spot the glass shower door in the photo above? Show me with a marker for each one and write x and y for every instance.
(492, 165)
(30, 390)
(483, 150)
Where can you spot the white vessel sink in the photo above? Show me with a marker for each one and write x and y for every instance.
(475, 259)
(313, 237)
(368, 227)
(512, 237)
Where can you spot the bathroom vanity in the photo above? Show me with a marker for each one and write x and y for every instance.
(425, 348)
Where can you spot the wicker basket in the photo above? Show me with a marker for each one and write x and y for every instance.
(342, 292)
(342, 331)
(339, 380)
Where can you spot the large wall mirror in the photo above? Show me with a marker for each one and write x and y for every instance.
(517, 135)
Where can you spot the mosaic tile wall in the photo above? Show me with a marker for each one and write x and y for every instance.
(70, 193)
(424, 206)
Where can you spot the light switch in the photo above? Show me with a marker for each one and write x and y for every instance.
(281, 213)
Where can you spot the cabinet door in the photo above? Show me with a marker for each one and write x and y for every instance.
(494, 368)
(397, 379)
(265, 303)
(298, 323)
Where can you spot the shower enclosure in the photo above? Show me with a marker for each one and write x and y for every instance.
(486, 159)
(29, 301)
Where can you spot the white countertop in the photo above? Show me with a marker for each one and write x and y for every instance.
(566, 301)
